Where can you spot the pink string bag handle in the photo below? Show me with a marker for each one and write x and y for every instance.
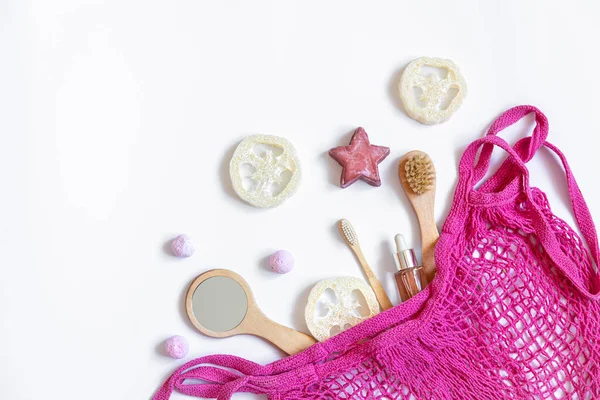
(216, 381)
(526, 148)
(514, 173)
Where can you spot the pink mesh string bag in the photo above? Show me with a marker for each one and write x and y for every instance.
(512, 314)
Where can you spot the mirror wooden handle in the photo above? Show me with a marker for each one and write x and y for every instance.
(287, 339)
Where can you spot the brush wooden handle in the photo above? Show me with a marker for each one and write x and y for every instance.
(424, 206)
(382, 297)
(287, 339)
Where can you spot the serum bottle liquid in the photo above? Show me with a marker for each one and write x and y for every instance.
(410, 277)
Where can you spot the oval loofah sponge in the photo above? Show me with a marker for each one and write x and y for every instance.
(266, 184)
(428, 107)
(343, 312)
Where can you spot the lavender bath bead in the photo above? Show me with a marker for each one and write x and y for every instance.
(182, 246)
(177, 347)
(281, 261)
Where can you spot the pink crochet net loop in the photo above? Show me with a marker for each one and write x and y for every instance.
(512, 314)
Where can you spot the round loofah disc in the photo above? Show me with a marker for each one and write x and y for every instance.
(427, 108)
(266, 183)
(343, 312)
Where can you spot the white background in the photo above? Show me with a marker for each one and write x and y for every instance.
(118, 119)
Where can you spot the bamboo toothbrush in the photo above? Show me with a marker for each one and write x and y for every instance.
(351, 239)
(417, 175)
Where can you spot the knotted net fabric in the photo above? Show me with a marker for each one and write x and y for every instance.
(513, 312)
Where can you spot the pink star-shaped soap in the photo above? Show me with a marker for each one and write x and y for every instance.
(360, 159)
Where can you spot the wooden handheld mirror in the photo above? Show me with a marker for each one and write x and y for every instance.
(219, 303)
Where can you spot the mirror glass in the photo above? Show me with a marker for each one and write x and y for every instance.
(219, 304)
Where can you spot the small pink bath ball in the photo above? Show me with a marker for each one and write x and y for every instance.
(281, 261)
(177, 347)
(182, 246)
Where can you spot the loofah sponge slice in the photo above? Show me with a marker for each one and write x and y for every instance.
(427, 109)
(268, 186)
(343, 312)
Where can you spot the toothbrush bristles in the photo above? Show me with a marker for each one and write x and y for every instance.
(348, 232)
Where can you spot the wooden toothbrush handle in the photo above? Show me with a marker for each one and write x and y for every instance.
(380, 294)
(287, 339)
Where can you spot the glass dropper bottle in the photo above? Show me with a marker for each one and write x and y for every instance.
(410, 276)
